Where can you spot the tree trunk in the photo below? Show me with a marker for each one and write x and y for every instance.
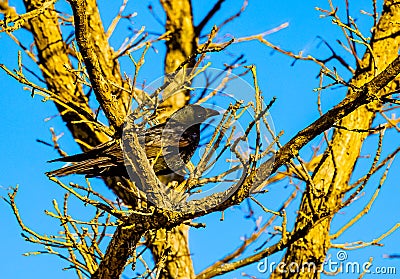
(332, 177)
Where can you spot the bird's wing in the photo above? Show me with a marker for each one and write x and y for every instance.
(170, 141)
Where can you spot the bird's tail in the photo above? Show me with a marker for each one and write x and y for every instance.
(73, 158)
(100, 160)
(88, 155)
(89, 167)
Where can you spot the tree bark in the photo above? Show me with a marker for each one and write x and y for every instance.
(53, 58)
(332, 177)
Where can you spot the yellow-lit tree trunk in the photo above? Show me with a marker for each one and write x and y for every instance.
(330, 181)
(53, 58)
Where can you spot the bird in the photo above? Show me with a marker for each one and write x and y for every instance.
(169, 146)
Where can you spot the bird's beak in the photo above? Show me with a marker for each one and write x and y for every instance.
(211, 112)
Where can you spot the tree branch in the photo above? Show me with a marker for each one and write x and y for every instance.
(207, 18)
(102, 69)
(368, 93)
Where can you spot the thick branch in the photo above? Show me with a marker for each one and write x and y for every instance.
(366, 94)
(102, 68)
(330, 180)
(120, 248)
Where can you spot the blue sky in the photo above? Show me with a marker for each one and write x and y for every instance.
(24, 159)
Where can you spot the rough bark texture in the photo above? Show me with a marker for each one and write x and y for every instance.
(120, 248)
(104, 71)
(331, 179)
(52, 53)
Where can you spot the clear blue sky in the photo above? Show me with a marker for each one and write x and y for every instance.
(24, 160)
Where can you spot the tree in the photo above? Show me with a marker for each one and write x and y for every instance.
(82, 68)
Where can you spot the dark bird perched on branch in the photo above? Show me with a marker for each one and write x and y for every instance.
(169, 146)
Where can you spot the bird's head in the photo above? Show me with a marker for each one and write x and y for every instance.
(193, 114)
